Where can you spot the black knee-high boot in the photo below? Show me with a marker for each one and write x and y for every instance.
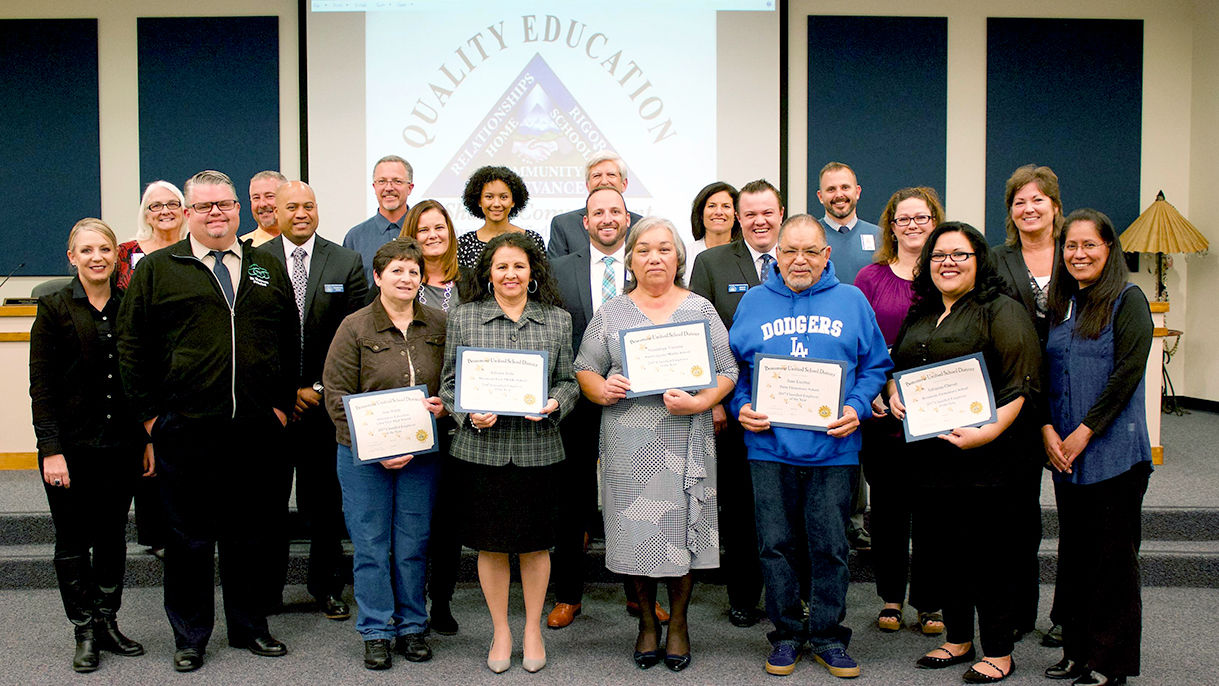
(75, 588)
(105, 624)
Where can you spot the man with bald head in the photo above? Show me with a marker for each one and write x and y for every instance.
(803, 479)
(328, 284)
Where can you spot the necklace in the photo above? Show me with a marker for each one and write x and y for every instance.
(448, 293)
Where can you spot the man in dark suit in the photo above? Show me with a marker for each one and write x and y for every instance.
(567, 231)
(722, 275)
(587, 277)
(328, 284)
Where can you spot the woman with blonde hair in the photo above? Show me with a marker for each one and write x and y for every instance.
(161, 223)
(91, 447)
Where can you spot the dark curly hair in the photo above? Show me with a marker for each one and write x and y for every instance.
(485, 175)
(987, 283)
(477, 281)
(697, 227)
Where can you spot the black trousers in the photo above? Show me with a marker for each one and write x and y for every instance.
(309, 447)
(150, 527)
(220, 484)
(1099, 588)
(577, 500)
(738, 529)
(444, 542)
(1028, 574)
(899, 518)
(90, 521)
(976, 541)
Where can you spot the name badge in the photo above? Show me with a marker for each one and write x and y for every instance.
(867, 241)
(738, 287)
(333, 287)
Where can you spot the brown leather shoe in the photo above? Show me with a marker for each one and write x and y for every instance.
(562, 615)
(632, 609)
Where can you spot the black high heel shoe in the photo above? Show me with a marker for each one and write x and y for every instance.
(648, 659)
(676, 663)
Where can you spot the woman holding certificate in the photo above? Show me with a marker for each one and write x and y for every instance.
(1096, 439)
(898, 512)
(972, 472)
(90, 444)
(657, 450)
(514, 334)
(393, 342)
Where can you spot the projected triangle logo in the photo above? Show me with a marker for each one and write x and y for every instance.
(537, 129)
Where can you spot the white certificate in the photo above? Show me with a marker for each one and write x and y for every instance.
(386, 424)
(507, 382)
(657, 358)
(798, 393)
(945, 396)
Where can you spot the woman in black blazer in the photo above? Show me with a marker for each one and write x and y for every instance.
(89, 444)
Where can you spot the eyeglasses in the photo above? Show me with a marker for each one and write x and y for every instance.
(206, 207)
(1089, 246)
(158, 206)
(808, 253)
(919, 219)
(957, 256)
(390, 182)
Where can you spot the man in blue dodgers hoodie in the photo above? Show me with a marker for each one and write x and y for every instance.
(803, 479)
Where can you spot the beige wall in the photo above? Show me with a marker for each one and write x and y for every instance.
(1180, 113)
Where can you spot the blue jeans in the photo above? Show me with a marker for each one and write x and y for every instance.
(389, 516)
(804, 506)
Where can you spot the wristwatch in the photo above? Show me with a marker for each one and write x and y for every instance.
(318, 387)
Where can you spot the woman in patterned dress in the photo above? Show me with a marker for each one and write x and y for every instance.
(657, 451)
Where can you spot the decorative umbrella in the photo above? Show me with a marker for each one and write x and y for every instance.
(1161, 229)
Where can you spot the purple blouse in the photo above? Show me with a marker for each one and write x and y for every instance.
(890, 296)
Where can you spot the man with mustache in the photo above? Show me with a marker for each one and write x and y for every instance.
(392, 182)
(262, 206)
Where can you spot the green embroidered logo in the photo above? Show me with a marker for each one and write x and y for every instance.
(259, 275)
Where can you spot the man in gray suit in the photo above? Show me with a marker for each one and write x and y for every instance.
(328, 284)
(722, 275)
(567, 231)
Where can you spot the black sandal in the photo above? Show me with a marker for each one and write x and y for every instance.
(924, 618)
(889, 613)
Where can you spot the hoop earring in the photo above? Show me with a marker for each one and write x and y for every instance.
(490, 290)
(533, 286)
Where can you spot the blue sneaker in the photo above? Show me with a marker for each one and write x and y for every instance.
(783, 659)
(838, 663)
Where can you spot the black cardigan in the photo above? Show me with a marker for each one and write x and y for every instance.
(75, 390)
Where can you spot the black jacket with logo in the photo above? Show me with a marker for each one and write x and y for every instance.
(183, 350)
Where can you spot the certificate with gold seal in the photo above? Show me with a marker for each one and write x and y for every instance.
(657, 358)
(507, 382)
(945, 396)
(798, 392)
(388, 424)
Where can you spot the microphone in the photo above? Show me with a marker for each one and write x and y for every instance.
(10, 274)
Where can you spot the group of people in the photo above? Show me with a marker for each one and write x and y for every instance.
(196, 356)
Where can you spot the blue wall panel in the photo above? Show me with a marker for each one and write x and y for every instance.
(51, 171)
(1066, 93)
(209, 99)
(878, 101)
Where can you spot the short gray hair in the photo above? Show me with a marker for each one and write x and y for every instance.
(647, 224)
(802, 219)
(604, 156)
(208, 177)
(268, 174)
(410, 171)
(143, 231)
